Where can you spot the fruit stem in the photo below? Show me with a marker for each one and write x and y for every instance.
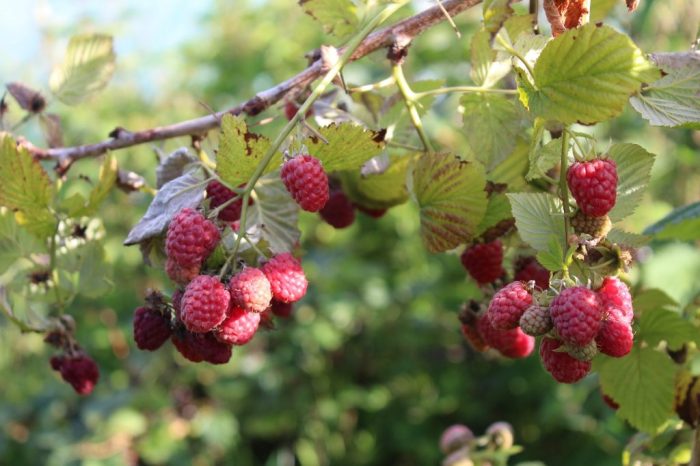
(5, 307)
(371, 87)
(464, 89)
(409, 98)
(563, 185)
(516, 54)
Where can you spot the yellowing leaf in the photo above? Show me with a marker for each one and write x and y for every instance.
(348, 146)
(338, 17)
(379, 191)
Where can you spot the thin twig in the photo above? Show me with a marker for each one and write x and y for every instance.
(409, 98)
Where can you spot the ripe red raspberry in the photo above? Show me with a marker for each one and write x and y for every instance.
(615, 338)
(563, 367)
(508, 305)
(338, 211)
(474, 338)
(250, 290)
(204, 304)
(528, 269)
(178, 274)
(536, 321)
(374, 213)
(151, 329)
(576, 313)
(616, 299)
(306, 181)
(219, 194)
(80, 371)
(238, 328)
(594, 186)
(280, 309)
(484, 261)
(287, 280)
(291, 109)
(198, 347)
(511, 343)
(190, 238)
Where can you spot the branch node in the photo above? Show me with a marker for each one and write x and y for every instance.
(398, 50)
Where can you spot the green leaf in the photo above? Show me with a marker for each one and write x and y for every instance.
(601, 8)
(511, 171)
(273, 215)
(379, 191)
(452, 200)
(488, 67)
(660, 325)
(642, 383)
(15, 248)
(93, 279)
(495, 13)
(544, 158)
(633, 172)
(681, 224)
(492, 123)
(651, 300)
(632, 240)
(348, 147)
(585, 75)
(553, 257)
(338, 17)
(86, 68)
(538, 217)
(240, 151)
(498, 209)
(78, 206)
(26, 189)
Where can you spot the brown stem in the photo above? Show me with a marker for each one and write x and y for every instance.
(121, 138)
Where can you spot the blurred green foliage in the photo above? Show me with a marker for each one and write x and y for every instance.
(371, 367)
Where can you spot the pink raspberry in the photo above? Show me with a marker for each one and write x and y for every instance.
(594, 186)
(306, 181)
(528, 269)
(80, 371)
(238, 328)
(250, 290)
(576, 314)
(287, 280)
(616, 299)
(508, 305)
(560, 365)
(219, 194)
(615, 338)
(484, 261)
(151, 329)
(512, 343)
(190, 238)
(280, 309)
(178, 274)
(338, 211)
(198, 347)
(204, 304)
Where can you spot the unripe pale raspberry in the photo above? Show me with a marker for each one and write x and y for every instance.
(204, 304)
(576, 314)
(178, 274)
(536, 321)
(500, 435)
(582, 353)
(280, 309)
(198, 347)
(616, 299)
(219, 194)
(508, 305)
(238, 328)
(80, 371)
(594, 186)
(528, 269)
(338, 211)
(250, 290)
(455, 437)
(597, 227)
(287, 280)
(615, 338)
(190, 238)
(306, 181)
(560, 365)
(512, 343)
(484, 261)
(151, 329)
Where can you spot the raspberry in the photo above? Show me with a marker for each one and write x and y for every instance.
(338, 211)
(287, 280)
(238, 328)
(80, 371)
(198, 347)
(609, 401)
(576, 314)
(474, 338)
(597, 227)
(582, 353)
(374, 213)
(204, 304)
(250, 290)
(560, 365)
(178, 274)
(528, 269)
(511, 343)
(508, 305)
(483, 261)
(191, 238)
(615, 338)
(291, 109)
(306, 181)
(151, 329)
(454, 438)
(219, 194)
(536, 321)
(594, 186)
(616, 299)
(281, 309)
